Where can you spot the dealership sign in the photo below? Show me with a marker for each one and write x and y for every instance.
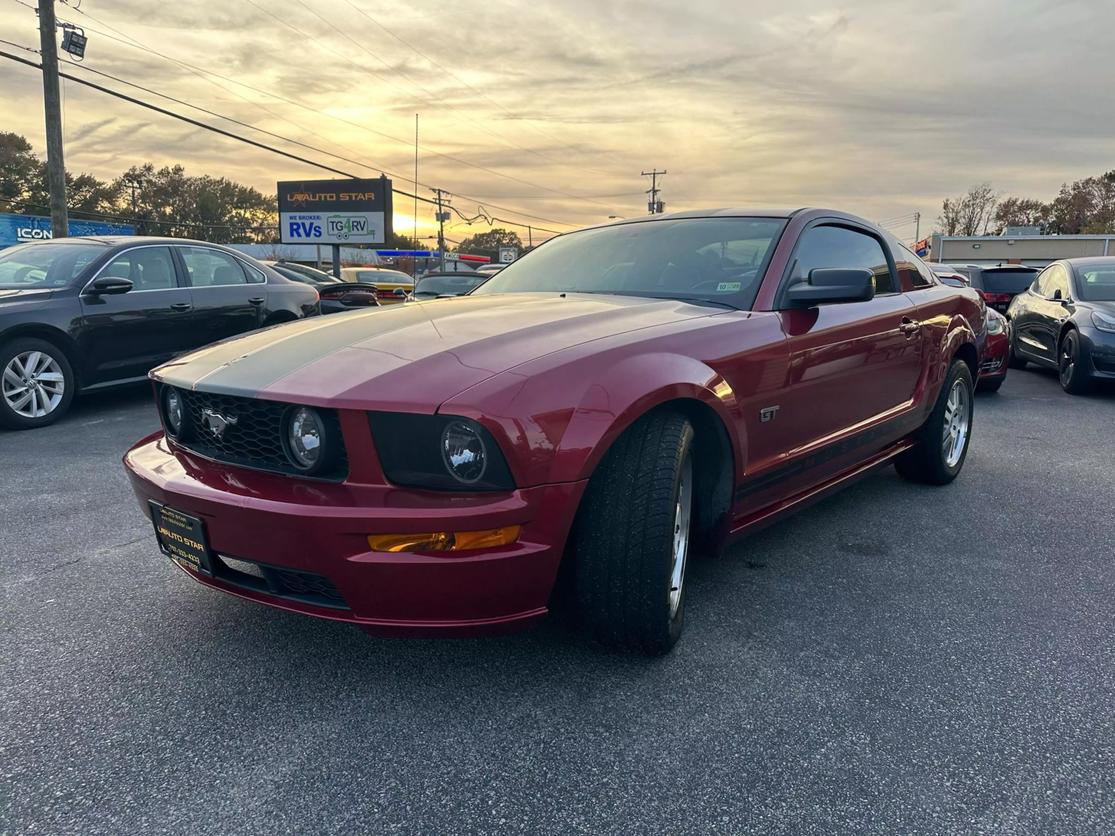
(335, 211)
(23, 229)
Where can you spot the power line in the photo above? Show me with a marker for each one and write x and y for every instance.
(134, 43)
(247, 140)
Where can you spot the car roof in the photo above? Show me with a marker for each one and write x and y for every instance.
(1091, 261)
(118, 240)
(741, 212)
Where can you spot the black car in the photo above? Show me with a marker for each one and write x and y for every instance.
(439, 284)
(86, 313)
(336, 296)
(997, 284)
(1066, 320)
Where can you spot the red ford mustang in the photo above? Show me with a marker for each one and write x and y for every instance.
(618, 399)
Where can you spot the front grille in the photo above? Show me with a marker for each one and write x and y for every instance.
(253, 436)
(307, 587)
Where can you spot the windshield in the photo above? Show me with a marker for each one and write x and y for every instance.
(442, 285)
(710, 259)
(1097, 285)
(1007, 281)
(44, 265)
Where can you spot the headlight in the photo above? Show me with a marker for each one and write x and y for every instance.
(306, 440)
(174, 412)
(439, 452)
(1105, 322)
(995, 323)
(464, 453)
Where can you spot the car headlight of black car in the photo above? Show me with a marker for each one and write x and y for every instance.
(174, 413)
(308, 442)
(440, 452)
(1105, 322)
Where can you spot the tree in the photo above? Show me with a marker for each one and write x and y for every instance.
(23, 183)
(1020, 211)
(168, 201)
(1087, 206)
(488, 243)
(969, 214)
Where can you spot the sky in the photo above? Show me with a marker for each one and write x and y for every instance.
(552, 109)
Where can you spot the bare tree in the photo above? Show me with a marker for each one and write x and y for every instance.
(970, 214)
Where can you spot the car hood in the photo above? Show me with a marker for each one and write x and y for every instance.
(413, 357)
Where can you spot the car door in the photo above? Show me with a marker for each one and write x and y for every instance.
(1044, 313)
(228, 298)
(853, 367)
(126, 335)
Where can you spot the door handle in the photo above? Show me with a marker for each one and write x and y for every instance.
(257, 300)
(909, 326)
(181, 306)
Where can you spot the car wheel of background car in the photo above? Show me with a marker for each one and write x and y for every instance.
(1070, 368)
(943, 440)
(631, 537)
(1015, 361)
(990, 386)
(36, 384)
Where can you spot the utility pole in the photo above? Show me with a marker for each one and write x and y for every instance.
(917, 226)
(655, 205)
(55, 165)
(530, 238)
(442, 217)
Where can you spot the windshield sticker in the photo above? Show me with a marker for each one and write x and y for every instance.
(727, 287)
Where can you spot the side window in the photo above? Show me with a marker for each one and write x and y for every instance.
(148, 268)
(1059, 280)
(1051, 279)
(254, 276)
(212, 268)
(838, 246)
(917, 272)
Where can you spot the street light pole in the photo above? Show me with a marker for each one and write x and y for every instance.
(56, 166)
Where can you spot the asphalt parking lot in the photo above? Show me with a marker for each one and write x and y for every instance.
(895, 660)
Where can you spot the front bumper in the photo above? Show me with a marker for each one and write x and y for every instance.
(1098, 348)
(303, 529)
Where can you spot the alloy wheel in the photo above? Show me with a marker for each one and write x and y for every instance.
(32, 384)
(682, 515)
(957, 422)
(1068, 362)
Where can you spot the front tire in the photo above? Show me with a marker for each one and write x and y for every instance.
(631, 540)
(943, 440)
(1070, 366)
(37, 384)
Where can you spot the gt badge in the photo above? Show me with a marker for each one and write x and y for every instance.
(767, 413)
(217, 423)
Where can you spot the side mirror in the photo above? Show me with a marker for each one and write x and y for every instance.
(833, 285)
(110, 286)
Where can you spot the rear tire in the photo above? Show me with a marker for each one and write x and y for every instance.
(944, 439)
(1070, 366)
(632, 538)
(37, 384)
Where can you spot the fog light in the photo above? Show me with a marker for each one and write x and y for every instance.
(444, 541)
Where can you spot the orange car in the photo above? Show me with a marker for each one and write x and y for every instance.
(392, 286)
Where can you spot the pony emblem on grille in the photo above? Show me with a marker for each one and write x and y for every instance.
(217, 423)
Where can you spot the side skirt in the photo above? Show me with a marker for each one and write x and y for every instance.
(772, 513)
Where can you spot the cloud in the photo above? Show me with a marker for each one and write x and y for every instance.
(882, 107)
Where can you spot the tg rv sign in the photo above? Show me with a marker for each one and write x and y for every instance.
(335, 211)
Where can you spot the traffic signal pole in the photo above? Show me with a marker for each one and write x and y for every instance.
(52, 106)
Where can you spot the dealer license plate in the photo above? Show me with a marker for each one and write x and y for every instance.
(181, 538)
